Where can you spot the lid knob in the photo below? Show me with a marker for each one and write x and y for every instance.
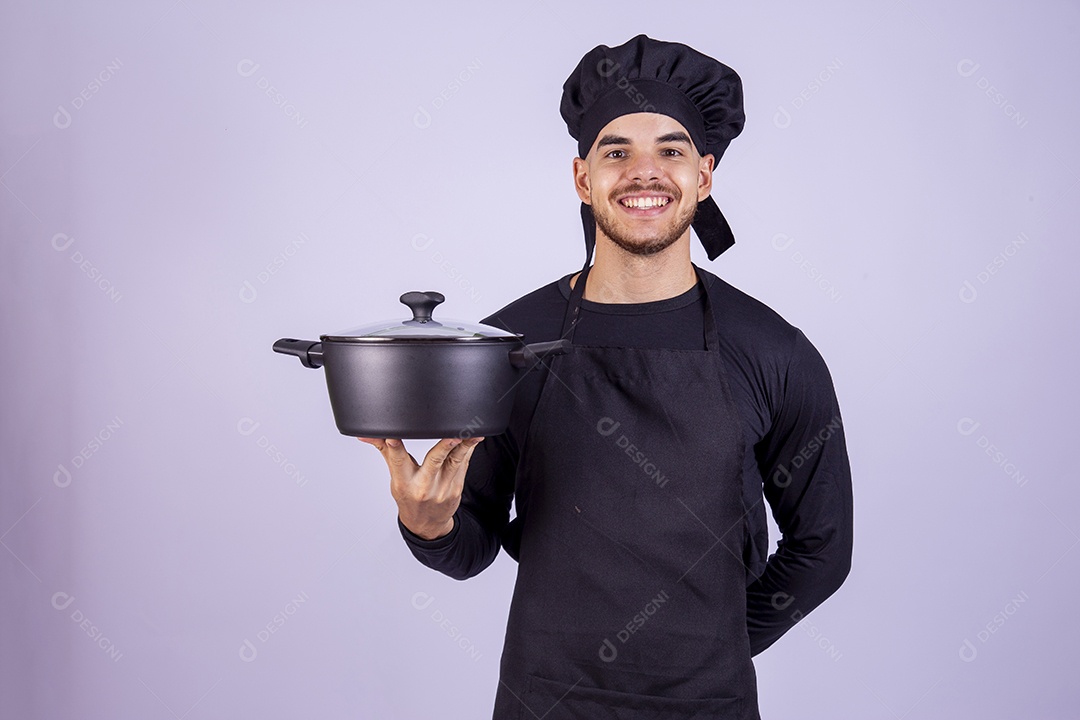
(422, 303)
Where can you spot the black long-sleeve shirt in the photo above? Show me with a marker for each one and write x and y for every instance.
(796, 457)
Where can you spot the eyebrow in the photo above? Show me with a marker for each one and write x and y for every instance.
(620, 140)
(673, 137)
(612, 140)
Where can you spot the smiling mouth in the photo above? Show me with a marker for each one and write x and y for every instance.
(644, 202)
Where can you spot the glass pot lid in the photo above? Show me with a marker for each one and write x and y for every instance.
(421, 326)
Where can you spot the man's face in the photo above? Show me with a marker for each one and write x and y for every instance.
(643, 178)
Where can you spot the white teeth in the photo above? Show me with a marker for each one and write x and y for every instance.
(645, 202)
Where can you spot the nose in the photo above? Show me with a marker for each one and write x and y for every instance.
(644, 168)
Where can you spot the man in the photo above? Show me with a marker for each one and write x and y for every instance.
(637, 462)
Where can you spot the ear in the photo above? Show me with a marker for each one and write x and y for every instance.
(581, 180)
(705, 176)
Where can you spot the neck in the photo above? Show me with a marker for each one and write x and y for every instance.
(621, 277)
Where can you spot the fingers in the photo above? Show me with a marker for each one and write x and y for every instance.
(430, 493)
(450, 452)
(380, 443)
(396, 452)
(463, 451)
(457, 464)
(392, 449)
(437, 455)
(447, 455)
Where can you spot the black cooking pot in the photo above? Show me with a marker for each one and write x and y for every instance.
(421, 378)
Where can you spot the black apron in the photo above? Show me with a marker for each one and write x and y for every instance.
(630, 601)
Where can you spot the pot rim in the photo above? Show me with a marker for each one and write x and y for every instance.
(352, 340)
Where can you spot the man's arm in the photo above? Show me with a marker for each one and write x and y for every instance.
(479, 521)
(807, 482)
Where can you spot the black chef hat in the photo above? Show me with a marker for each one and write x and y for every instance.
(646, 75)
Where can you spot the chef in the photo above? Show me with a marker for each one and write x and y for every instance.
(638, 464)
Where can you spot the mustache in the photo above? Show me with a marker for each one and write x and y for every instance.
(650, 188)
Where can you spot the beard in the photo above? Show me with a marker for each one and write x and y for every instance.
(644, 242)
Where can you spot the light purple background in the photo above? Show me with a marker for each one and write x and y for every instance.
(904, 192)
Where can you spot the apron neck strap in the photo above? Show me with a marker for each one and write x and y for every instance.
(577, 293)
(573, 305)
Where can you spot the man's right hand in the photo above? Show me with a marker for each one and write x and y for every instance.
(427, 494)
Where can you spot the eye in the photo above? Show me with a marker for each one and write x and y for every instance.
(616, 154)
(671, 152)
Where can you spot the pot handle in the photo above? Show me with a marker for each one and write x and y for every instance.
(533, 353)
(309, 351)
